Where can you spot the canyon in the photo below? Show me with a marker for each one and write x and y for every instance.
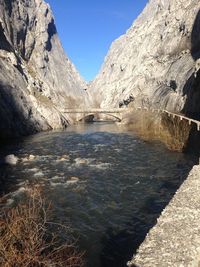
(155, 64)
(37, 80)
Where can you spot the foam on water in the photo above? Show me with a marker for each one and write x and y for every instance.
(101, 166)
(38, 174)
(108, 183)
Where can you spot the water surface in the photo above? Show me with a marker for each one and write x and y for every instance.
(107, 182)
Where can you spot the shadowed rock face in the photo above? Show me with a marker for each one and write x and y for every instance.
(154, 60)
(192, 86)
(37, 80)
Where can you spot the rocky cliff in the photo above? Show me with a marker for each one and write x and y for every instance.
(156, 62)
(37, 80)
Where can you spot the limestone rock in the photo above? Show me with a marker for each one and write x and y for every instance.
(37, 80)
(156, 62)
(11, 159)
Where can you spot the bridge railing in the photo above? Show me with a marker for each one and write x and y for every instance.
(180, 116)
(125, 109)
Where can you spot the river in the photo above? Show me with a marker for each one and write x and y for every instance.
(109, 184)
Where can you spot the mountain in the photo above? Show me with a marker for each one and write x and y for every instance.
(37, 80)
(156, 63)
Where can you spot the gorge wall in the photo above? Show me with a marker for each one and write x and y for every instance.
(37, 80)
(156, 63)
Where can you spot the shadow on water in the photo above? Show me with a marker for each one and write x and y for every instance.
(118, 248)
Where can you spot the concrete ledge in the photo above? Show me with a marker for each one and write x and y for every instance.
(175, 240)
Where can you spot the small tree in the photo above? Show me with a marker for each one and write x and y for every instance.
(25, 239)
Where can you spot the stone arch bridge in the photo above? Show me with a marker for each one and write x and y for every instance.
(114, 113)
(117, 113)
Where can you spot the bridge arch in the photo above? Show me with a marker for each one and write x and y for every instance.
(88, 116)
(114, 116)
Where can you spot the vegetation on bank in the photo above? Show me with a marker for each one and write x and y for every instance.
(155, 126)
(29, 239)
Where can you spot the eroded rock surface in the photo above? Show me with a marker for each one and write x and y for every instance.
(156, 62)
(37, 80)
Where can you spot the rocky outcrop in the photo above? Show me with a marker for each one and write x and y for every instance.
(37, 80)
(156, 63)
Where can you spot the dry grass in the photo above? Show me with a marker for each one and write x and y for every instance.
(155, 126)
(175, 132)
(25, 239)
(144, 123)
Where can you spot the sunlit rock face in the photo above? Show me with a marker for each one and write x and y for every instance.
(156, 62)
(37, 80)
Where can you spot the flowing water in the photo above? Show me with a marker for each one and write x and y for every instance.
(107, 182)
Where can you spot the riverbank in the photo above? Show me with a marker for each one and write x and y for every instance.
(176, 134)
(175, 239)
(103, 180)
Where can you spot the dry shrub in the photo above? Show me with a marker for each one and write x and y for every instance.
(175, 132)
(25, 239)
(144, 123)
(158, 126)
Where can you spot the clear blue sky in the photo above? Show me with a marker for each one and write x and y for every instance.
(88, 27)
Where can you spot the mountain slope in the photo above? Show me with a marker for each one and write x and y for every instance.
(156, 62)
(37, 80)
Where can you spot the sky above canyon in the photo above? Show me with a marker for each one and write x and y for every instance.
(88, 27)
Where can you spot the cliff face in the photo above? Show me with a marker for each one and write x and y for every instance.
(37, 80)
(156, 62)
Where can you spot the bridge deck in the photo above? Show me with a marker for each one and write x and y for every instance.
(95, 110)
(122, 110)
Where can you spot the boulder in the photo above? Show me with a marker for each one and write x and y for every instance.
(11, 159)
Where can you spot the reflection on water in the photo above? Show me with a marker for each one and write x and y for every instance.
(110, 185)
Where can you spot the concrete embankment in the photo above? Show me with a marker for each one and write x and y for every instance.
(175, 240)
